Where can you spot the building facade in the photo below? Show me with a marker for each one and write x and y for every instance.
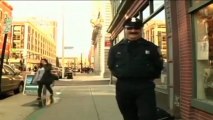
(5, 12)
(71, 62)
(100, 38)
(183, 31)
(30, 44)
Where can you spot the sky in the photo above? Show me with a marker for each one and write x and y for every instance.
(77, 27)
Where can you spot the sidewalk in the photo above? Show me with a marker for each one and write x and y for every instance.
(81, 103)
(85, 77)
(16, 107)
(71, 103)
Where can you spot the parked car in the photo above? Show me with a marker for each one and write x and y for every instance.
(11, 80)
(57, 72)
(68, 73)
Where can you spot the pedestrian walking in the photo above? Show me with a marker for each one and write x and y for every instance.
(135, 62)
(44, 77)
(38, 74)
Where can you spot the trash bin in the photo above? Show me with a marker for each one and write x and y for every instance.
(69, 75)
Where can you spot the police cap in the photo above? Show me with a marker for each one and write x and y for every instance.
(133, 22)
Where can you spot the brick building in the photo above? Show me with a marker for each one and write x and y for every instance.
(186, 85)
(5, 12)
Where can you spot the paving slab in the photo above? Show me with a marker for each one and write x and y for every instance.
(81, 103)
(16, 107)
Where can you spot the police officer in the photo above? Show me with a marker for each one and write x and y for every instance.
(135, 62)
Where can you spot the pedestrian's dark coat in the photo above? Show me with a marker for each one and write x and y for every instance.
(47, 76)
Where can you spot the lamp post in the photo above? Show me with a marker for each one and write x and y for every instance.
(81, 64)
(62, 42)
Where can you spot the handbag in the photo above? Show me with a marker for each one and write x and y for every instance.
(54, 77)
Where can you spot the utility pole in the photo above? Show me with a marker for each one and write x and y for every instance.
(62, 42)
(2, 57)
(81, 63)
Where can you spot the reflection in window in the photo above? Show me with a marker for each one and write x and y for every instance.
(157, 4)
(203, 22)
(146, 13)
(196, 2)
(155, 31)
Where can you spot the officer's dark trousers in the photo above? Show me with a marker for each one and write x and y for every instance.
(136, 100)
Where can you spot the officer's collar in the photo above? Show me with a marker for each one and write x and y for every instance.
(140, 41)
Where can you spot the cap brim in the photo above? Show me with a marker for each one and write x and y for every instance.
(133, 25)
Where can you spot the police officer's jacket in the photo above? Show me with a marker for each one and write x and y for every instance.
(138, 59)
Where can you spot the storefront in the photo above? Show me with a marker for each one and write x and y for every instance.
(202, 39)
(184, 32)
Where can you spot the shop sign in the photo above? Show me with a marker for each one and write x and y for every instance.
(29, 87)
(8, 23)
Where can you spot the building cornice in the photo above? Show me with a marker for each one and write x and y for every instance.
(7, 5)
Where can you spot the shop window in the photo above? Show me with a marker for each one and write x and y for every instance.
(146, 13)
(196, 2)
(203, 23)
(156, 27)
(157, 4)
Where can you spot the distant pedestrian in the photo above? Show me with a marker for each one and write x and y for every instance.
(35, 69)
(135, 62)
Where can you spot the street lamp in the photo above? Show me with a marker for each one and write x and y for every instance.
(62, 41)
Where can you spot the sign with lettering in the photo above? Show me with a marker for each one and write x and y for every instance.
(68, 47)
(8, 23)
(29, 87)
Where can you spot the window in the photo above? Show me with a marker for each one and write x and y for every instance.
(8, 70)
(0, 30)
(16, 37)
(0, 15)
(146, 13)
(196, 2)
(155, 31)
(17, 29)
(157, 4)
(203, 24)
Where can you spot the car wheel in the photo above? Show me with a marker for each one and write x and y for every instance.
(19, 89)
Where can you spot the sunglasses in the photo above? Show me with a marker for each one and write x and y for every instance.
(131, 28)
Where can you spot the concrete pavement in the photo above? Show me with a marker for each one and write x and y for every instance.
(85, 77)
(81, 103)
(71, 103)
(16, 107)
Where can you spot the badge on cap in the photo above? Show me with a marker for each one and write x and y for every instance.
(133, 19)
(147, 52)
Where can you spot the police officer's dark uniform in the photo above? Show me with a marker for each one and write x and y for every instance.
(135, 64)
